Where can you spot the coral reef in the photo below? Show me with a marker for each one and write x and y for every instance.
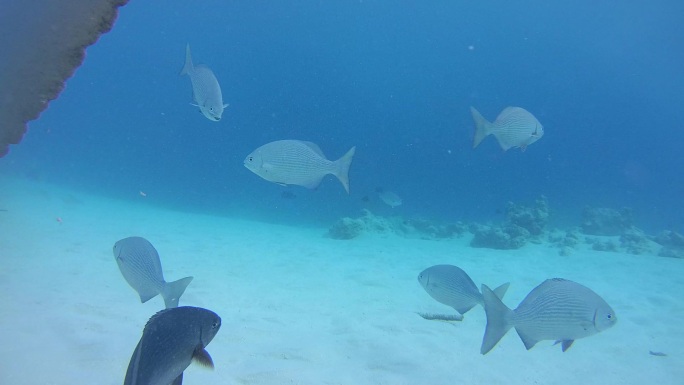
(606, 221)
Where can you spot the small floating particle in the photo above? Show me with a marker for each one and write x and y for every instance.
(657, 354)
(59, 219)
(143, 194)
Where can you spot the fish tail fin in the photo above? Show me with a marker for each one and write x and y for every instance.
(498, 316)
(482, 127)
(343, 168)
(172, 291)
(501, 290)
(188, 67)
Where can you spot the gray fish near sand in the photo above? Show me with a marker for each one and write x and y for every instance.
(297, 162)
(171, 340)
(450, 285)
(389, 198)
(514, 127)
(206, 91)
(557, 309)
(139, 263)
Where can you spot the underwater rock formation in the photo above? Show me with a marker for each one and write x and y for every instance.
(348, 228)
(430, 229)
(523, 224)
(499, 237)
(566, 241)
(603, 244)
(606, 221)
(672, 244)
(533, 219)
(635, 241)
(42, 43)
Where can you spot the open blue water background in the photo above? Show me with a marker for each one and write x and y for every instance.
(394, 78)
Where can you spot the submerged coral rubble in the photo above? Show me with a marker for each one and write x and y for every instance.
(601, 229)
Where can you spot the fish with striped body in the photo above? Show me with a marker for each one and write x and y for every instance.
(557, 309)
(171, 340)
(297, 162)
(450, 285)
(139, 264)
(206, 91)
(514, 127)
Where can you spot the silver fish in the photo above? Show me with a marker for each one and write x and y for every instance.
(140, 265)
(206, 91)
(514, 127)
(450, 285)
(557, 309)
(171, 340)
(297, 162)
(389, 198)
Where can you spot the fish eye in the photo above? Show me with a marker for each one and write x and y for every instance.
(251, 159)
(610, 316)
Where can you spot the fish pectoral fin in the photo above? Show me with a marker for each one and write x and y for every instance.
(313, 184)
(465, 309)
(226, 105)
(527, 340)
(178, 380)
(144, 297)
(202, 357)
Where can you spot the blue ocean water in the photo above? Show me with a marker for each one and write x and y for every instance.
(395, 79)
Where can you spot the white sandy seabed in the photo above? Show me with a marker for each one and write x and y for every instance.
(301, 308)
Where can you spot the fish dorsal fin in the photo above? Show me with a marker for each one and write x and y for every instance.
(202, 357)
(315, 148)
(155, 316)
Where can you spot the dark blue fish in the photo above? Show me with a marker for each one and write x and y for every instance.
(171, 340)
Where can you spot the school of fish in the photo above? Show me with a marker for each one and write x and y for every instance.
(559, 310)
